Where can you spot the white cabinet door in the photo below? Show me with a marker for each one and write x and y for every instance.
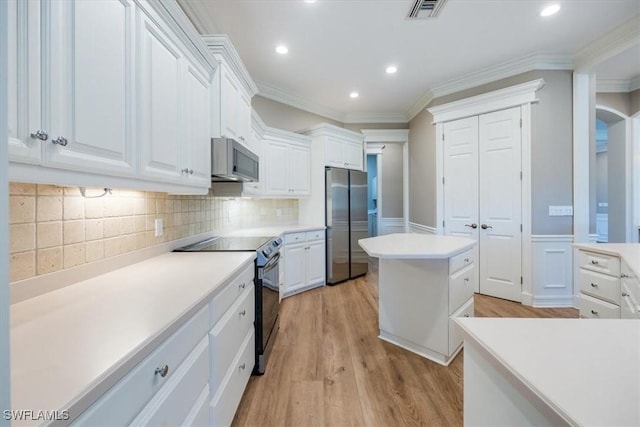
(334, 152)
(278, 168)
(89, 52)
(315, 262)
(244, 118)
(295, 270)
(300, 166)
(228, 103)
(24, 96)
(197, 119)
(353, 153)
(160, 75)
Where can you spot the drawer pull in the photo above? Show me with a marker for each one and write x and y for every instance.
(624, 276)
(594, 312)
(242, 367)
(624, 294)
(594, 262)
(593, 285)
(242, 285)
(243, 313)
(466, 260)
(162, 371)
(466, 279)
(466, 315)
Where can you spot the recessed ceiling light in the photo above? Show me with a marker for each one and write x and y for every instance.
(354, 95)
(391, 69)
(282, 49)
(309, 1)
(550, 10)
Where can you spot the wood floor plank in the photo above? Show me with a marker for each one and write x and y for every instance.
(328, 366)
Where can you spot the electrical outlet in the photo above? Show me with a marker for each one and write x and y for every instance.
(159, 228)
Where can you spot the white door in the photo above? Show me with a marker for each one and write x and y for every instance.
(244, 118)
(353, 155)
(300, 165)
(500, 204)
(278, 168)
(315, 262)
(482, 196)
(197, 143)
(334, 152)
(89, 77)
(295, 268)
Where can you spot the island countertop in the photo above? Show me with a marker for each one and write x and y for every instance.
(415, 246)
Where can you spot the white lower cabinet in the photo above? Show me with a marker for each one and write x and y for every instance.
(304, 261)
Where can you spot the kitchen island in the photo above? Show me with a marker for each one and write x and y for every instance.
(551, 372)
(425, 282)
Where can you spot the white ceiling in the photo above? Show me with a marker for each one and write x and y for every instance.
(336, 46)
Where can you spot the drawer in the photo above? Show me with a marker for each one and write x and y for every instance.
(600, 285)
(125, 400)
(461, 286)
(295, 237)
(602, 263)
(455, 335)
(461, 260)
(174, 402)
(229, 294)
(227, 335)
(199, 414)
(226, 400)
(314, 235)
(593, 308)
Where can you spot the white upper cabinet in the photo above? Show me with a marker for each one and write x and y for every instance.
(278, 165)
(24, 83)
(232, 90)
(344, 153)
(287, 164)
(89, 80)
(197, 152)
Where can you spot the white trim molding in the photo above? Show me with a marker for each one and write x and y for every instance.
(421, 229)
(617, 85)
(220, 44)
(385, 135)
(391, 225)
(552, 271)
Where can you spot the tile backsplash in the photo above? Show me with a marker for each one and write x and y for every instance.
(53, 228)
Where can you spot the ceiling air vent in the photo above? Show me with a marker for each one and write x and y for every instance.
(422, 9)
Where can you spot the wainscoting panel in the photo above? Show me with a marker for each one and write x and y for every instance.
(552, 270)
(422, 229)
(391, 225)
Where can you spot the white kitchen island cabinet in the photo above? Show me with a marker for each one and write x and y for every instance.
(534, 372)
(424, 282)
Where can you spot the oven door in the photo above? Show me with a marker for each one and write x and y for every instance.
(267, 308)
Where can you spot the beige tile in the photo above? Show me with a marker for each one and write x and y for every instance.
(112, 247)
(49, 190)
(150, 223)
(94, 229)
(72, 191)
(139, 223)
(50, 260)
(111, 227)
(127, 225)
(22, 237)
(93, 208)
(94, 250)
(168, 206)
(73, 207)
(49, 208)
(20, 188)
(74, 255)
(139, 206)
(150, 206)
(22, 266)
(73, 232)
(127, 243)
(124, 207)
(111, 206)
(49, 234)
(22, 209)
(140, 241)
(177, 218)
(184, 205)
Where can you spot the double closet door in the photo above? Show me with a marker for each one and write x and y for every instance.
(483, 195)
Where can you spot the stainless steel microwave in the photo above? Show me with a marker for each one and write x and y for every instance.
(231, 161)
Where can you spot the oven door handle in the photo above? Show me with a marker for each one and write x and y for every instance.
(271, 264)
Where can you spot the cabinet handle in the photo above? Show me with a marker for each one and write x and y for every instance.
(162, 371)
(243, 313)
(61, 141)
(242, 286)
(466, 260)
(593, 285)
(485, 226)
(594, 312)
(624, 276)
(474, 225)
(242, 367)
(466, 315)
(40, 134)
(624, 294)
(594, 262)
(466, 279)
(190, 171)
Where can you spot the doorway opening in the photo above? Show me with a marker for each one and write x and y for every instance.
(372, 193)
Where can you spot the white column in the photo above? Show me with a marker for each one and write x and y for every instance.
(581, 138)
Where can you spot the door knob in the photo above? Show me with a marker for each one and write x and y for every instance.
(485, 226)
(474, 225)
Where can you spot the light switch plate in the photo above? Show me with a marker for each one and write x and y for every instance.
(159, 228)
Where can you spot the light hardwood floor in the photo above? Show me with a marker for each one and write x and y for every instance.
(328, 367)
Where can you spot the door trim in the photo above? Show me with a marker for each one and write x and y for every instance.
(522, 95)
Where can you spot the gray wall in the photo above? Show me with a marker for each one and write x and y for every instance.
(552, 156)
(357, 127)
(391, 181)
(617, 101)
(617, 182)
(634, 101)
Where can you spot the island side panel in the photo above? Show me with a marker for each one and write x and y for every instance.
(413, 303)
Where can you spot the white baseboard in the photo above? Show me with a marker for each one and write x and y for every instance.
(422, 229)
(553, 302)
(552, 271)
(391, 225)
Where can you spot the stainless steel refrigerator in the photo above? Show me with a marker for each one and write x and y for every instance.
(347, 222)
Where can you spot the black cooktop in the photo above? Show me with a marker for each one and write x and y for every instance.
(227, 244)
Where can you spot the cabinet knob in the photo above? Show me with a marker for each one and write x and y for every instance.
(40, 134)
(242, 285)
(61, 141)
(162, 371)
(594, 262)
(593, 285)
(466, 260)
(466, 279)
(594, 312)
(624, 294)
(242, 367)
(190, 171)
(624, 276)
(243, 313)
(466, 315)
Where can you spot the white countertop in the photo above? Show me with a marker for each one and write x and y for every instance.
(276, 230)
(586, 370)
(629, 252)
(68, 345)
(415, 246)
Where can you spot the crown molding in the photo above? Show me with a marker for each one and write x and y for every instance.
(220, 46)
(385, 135)
(612, 85)
(611, 44)
(257, 124)
(375, 118)
(323, 129)
(501, 71)
(420, 105)
(199, 16)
